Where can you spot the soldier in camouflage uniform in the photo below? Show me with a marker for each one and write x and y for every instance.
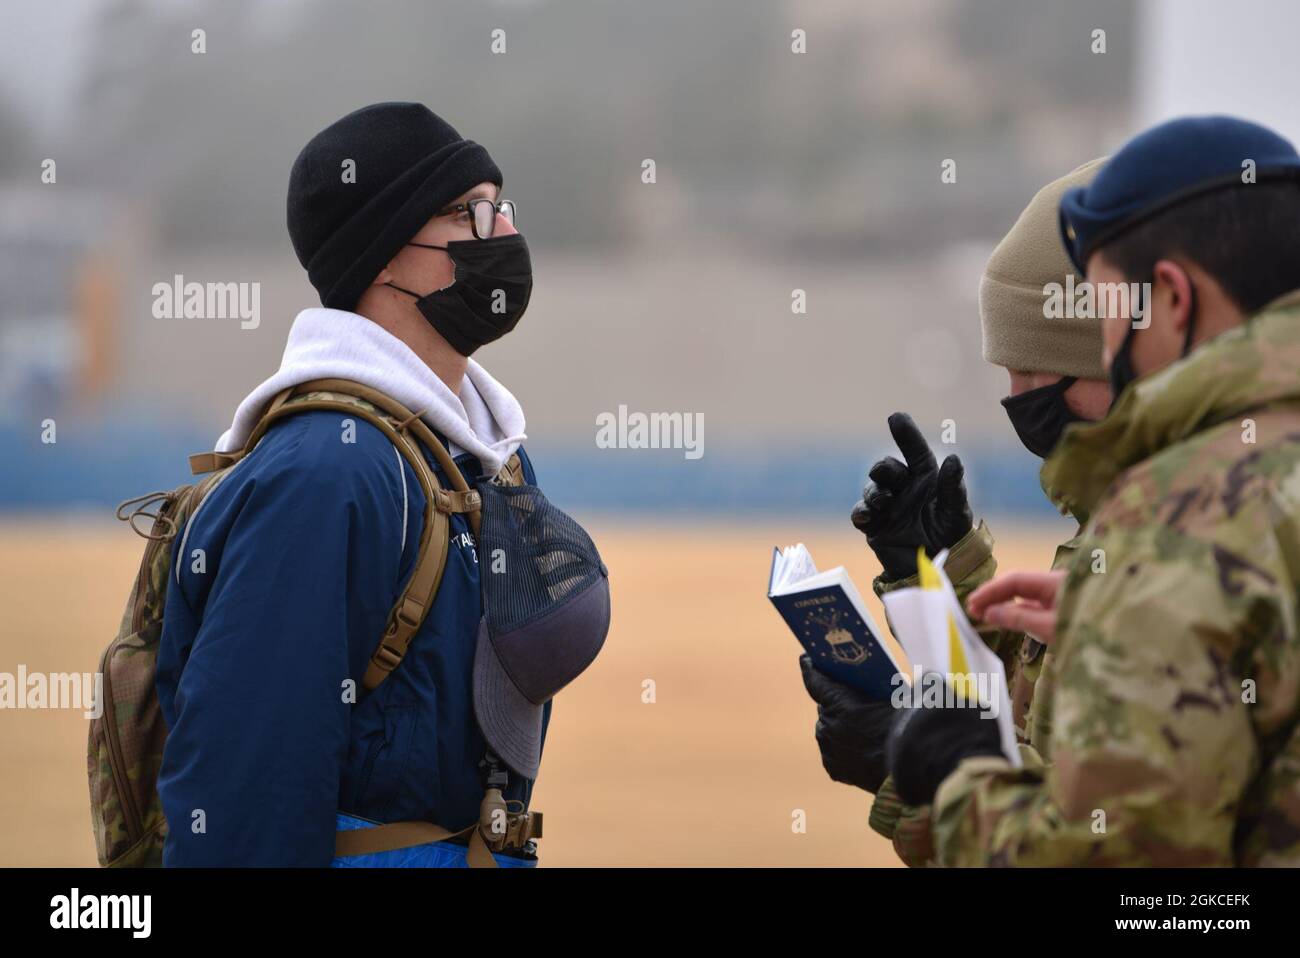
(1175, 679)
(1056, 373)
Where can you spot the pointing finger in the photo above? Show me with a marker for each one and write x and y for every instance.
(911, 443)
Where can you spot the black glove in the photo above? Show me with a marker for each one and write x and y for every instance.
(851, 729)
(908, 506)
(927, 744)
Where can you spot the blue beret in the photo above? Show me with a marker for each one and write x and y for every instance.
(1163, 167)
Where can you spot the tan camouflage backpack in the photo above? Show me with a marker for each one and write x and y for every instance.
(126, 741)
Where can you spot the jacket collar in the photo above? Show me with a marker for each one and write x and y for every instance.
(1252, 365)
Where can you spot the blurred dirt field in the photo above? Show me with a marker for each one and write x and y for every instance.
(712, 772)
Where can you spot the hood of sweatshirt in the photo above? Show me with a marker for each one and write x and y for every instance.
(485, 420)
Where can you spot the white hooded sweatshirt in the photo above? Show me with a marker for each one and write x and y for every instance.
(485, 420)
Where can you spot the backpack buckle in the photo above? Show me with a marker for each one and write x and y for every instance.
(386, 658)
(409, 612)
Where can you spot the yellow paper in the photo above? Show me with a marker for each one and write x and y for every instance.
(929, 579)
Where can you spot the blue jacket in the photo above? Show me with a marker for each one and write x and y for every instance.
(304, 552)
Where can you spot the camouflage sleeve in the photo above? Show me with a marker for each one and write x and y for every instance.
(906, 826)
(1151, 748)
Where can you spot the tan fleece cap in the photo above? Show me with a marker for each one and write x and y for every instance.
(1016, 333)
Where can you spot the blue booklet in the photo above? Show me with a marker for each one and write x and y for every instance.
(829, 618)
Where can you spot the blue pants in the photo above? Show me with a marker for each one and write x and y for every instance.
(429, 855)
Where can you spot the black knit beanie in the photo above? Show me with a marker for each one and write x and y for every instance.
(409, 164)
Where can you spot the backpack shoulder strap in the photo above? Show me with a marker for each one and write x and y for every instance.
(407, 433)
(512, 473)
(202, 462)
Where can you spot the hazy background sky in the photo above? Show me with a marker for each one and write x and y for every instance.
(776, 171)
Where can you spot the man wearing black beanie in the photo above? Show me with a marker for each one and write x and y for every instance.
(311, 535)
(372, 193)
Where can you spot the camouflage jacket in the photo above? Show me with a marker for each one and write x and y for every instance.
(1176, 675)
(970, 564)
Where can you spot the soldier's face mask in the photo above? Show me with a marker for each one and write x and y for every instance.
(486, 299)
(1039, 416)
(1121, 365)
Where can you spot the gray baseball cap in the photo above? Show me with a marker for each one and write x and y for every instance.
(546, 614)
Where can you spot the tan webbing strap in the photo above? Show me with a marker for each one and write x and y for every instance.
(519, 828)
(424, 434)
(399, 412)
(417, 597)
(383, 838)
(407, 432)
(280, 398)
(466, 502)
(512, 473)
(202, 462)
(421, 589)
(479, 855)
(386, 838)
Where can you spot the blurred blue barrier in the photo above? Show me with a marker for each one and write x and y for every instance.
(97, 465)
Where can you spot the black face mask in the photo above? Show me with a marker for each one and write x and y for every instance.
(1040, 415)
(1121, 366)
(487, 297)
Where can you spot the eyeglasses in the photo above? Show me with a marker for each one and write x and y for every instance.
(483, 215)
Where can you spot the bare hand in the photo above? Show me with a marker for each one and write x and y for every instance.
(1020, 602)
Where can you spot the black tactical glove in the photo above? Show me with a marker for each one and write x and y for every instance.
(851, 729)
(907, 506)
(927, 744)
